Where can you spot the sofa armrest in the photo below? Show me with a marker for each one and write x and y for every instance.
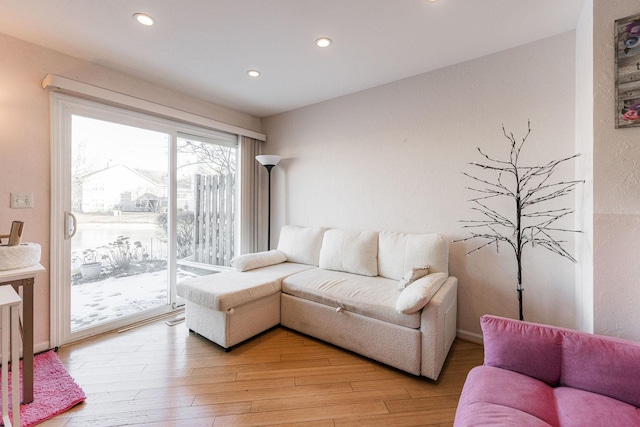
(438, 328)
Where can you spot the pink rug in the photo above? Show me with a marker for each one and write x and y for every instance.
(54, 391)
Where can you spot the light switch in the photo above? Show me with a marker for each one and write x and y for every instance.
(21, 200)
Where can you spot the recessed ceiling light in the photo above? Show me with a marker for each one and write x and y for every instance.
(144, 19)
(254, 73)
(323, 42)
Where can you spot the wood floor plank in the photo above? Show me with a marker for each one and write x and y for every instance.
(257, 395)
(352, 377)
(321, 423)
(131, 406)
(158, 375)
(301, 415)
(192, 422)
(310, 371)
(328, 399)
(424, 404)
(420, 418)
(210, 388)
(389, 382)
(258, 367)
(158, 415)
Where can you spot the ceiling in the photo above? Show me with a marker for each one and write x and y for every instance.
(205, 47)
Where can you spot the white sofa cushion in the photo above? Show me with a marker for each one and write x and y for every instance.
(419, 293)
(350, 251)
(301, 244)
(369, 296)
(252, 261)
(231, 289)
(400, 252)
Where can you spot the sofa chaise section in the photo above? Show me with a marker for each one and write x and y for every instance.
(231, 307)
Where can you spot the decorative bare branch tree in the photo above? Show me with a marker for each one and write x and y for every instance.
(528, 186)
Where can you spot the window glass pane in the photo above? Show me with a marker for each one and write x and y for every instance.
(119, 187)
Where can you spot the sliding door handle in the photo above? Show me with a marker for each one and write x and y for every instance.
(70, 225)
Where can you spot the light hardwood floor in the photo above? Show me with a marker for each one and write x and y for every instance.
(160, 375)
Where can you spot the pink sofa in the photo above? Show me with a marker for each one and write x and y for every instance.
(536, 375)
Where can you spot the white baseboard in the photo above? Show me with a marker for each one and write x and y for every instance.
(41, 347)
(469, 336)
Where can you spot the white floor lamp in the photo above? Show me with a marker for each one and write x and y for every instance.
(268, 161)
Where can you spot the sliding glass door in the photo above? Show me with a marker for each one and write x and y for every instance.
(143, 204)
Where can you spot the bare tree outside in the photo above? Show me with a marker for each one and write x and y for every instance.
(208, 158)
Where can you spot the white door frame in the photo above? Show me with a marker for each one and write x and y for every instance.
(62, 108)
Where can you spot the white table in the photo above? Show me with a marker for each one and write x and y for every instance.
(25, 278)
(9, 304)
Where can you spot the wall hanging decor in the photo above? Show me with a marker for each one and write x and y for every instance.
(529, 219)
(627, 71)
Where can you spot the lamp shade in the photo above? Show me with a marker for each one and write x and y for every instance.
(268, 160)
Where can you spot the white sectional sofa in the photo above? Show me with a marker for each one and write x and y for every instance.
(341, 286)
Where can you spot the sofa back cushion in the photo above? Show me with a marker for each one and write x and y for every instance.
(350, 251)
(602, 365)
(301, 244)
(530, 349)
(400, 252)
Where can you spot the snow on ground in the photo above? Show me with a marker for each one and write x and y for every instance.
(116, 297)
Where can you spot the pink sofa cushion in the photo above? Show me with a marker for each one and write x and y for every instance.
(583, 408)
(483, 414)
(523, 347)
(497, 395)
(603, 365)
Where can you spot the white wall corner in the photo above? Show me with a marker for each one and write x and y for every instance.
(584, 144)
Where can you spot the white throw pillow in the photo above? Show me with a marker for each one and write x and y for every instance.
(416, 296)
(259, 259)
(412, 275)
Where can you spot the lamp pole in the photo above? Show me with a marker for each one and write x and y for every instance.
(268, 161)
(269, 167)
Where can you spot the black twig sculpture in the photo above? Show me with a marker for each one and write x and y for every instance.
(528, 186)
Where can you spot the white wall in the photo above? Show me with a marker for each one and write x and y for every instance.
(392, 157)
(616, 189)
